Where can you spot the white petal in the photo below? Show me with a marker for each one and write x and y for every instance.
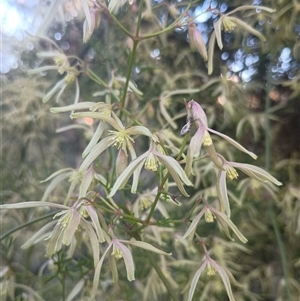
(234, 143)
(193, 225)
(128, 260)
(95, 152)
(146, 246)
(195, 279)
(124, 177)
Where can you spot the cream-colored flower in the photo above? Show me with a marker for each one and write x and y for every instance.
(197, 117)
(152, 158)
(229, 171)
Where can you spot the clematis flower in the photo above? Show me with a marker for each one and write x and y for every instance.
(121, 138)
(152, 158)
(197, 117)
(229, 170)
(211, 267)
(62, 66)
(211, 214)
(70, 221)
(117, 251)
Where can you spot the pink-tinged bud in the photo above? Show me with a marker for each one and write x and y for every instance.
(122, 162)
(196, 113)
(196, 40)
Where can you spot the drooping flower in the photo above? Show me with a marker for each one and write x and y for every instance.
(120, 137)
(70, 221)
(197, 117)
(118, 250)
(152, 158)
(211, 214)
(62, 66)
(230, 172)
(211, 267)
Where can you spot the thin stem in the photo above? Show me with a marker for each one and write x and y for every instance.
(27, 224)
(169, 28)
(132, 56)
(93, 76)
(121, 26)
(270, 205)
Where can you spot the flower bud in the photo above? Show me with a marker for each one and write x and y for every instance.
(196, 40)
(122, 162)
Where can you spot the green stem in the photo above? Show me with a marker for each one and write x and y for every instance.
(132, 56)
(93, 76)
(27, 224)
(121, 26)
(270, 205)
(169, 28)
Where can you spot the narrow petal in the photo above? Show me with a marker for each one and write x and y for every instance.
(59, 85)
(211, 51)
(226, 222)
(54, 244)
(192, 228)
(93, 240)
(189, 163)
(78, 106)
(244, 7)
(175, 166)
(214, 156)
(139, 130)
(32, 204)
(145, 245)
(95, 152)
(166, 115)
(222, 192)
(97, 273)
(55, 182)
(256, 173)
(35, 238)
(124, 177)
(86, 182)
(113, 267)
(97, 135)
(224, 277)
(196, 142)
(86, 10)
(68, 169)
(218, 34)
(234, 143)
(76, 290)
(176, 172)
(248, 28)
(200, 44)
(98, 115)
(51, 14)
(71, 227)
(195, 279)
(95, 220)
(128, 260)
(42, 69)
